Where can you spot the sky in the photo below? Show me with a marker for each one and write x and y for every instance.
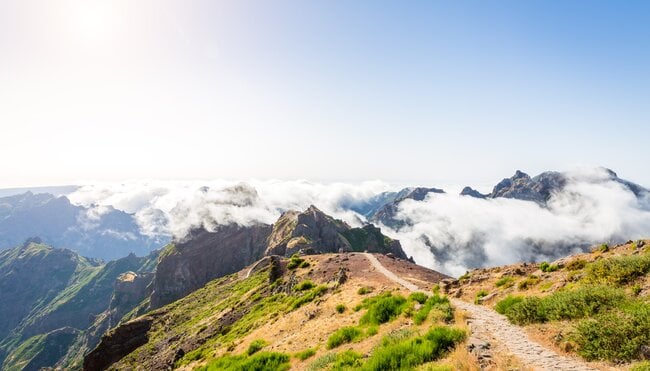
(426, 92)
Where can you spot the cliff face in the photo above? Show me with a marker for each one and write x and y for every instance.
(387, 215)
(187, 266)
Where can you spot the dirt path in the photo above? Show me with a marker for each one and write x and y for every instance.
(487, 325)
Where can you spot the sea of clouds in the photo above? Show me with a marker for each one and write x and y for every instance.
(446, 232)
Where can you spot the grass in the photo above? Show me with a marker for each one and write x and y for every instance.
(404, 354)
(344, 335)
(419, 297)
(364, 290)
(505, 282)
(262, 361)
(346, 360)
(255, 346)
(479, 295)
(309, 296)
(307, 353)
(340, 308)
(304, 285)
(616, 335)
(546, 267)
(382, 308)
(565, 305)
(439, 305)
(296, 261)
(618, 270)
(528, 282)
(322, 362)
(576, 265)
(505, 304)
(641, 366)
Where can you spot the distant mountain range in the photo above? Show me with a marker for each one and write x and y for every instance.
(100, 232)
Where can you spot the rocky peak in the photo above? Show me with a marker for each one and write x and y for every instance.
(387, 215)
(469, 191)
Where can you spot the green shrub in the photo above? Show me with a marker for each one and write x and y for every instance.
(364, 290)
(262, 361)
(441, 307)
(528, 282)
(340, 308)
(618, 270)
(442, 312)
(505, 282)
(615, 335)
(346, 360)
(565, 305)
(546, 267)
(309, 296)
(636, 290)
(641, 366)
(603, 248)
(408, 353)
(383, 308)
(576, 265)
(372, 330)
(479, 295)
(505, 304)
(255, 346)
(307, 353)
(304, 264)
(344, 335)
(322, 362)
(304, 285)
(295, 261)
(419, 297)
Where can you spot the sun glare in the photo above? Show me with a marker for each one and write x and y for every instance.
(94, 21)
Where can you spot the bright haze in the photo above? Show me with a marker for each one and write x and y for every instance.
(408, 92)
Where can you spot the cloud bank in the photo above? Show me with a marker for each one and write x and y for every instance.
(446, 232)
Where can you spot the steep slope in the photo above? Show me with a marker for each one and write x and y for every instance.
(291, 308)
(595, 305)
(95, 232)
(52, 294)
(205, 255)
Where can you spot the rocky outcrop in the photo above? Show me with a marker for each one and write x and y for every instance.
(387, 215)
(118, 343)
(522, 187)
(469, 191)
(204, 255)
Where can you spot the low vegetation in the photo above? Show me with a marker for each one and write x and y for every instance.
(256, 346)
(382, 308)
(262, 361)
(340, 308)
(307, 353)
(618, 270)
(505, 282)
(344, 335)
(546, 267)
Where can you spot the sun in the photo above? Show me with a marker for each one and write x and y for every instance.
(95, 21)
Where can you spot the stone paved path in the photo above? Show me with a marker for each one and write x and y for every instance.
(486, 321)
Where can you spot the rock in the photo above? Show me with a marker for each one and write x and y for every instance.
(468, 191)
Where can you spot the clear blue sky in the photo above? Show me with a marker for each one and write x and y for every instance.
(426, 92)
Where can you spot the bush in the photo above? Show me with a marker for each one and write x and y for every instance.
(343, 335)
(565, 305)
(603, 248)
(576, 265)
(479, 295)
(505, 282)
(505, 304)
(340, 308)
(618, 270)
(307, 353)
(419, 297)
(383, 308)
(546, 267)
(641, 366)
(364, 290)
(530, 281)
(304, 285)
(309, 296)
(372, 330)
(262, 361)
(295, 261)
(255, 346)
(440, 304)
(616, 335)
(346, 360)
(408, 353)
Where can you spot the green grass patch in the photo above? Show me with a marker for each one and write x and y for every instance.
(576, 265)
(364, 290)
(405, 354)
(340, 308)
(295, 262)
(419, 297)
(439, 305)
(255, 346)
(382, 308)
(479, 295)
(528, 282)
(262, 361)
(546, 267)
(307, 353)
(618, 270)
(505, 282)
(344, 335)
(346, 360)
(565, 305)
(641, 366)
(304, 285)
(503, 305)
(309, 296)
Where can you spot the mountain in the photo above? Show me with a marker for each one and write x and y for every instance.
(187, 265)
(387, 214)
(51, 295)
(540, 188)
(97, 232)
